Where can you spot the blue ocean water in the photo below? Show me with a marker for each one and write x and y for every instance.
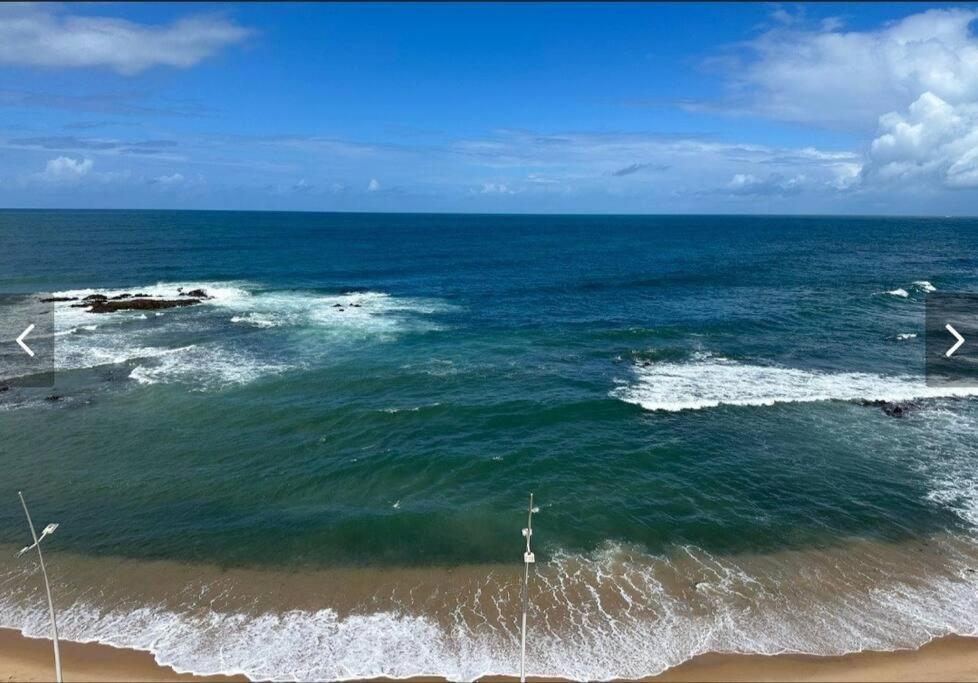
(381, 392)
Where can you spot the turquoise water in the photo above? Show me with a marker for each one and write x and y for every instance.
(659, 383)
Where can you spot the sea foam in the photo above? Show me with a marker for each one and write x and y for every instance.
(613, 613)
(708, 383)
(209, 358)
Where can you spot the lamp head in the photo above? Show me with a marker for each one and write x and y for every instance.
(49, 529)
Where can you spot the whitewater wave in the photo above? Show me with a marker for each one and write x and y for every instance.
(249, 304)
(353, 315)
(614, 613)
(708, 383)
(946, 437)
(146, 343)
(917, 286)
(206, 367)
(412, 409)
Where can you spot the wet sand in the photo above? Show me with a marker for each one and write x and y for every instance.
(953, 658)
(835, 587)
(946, 659)
(32, 659)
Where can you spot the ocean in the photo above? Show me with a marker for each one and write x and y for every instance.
(321, 472)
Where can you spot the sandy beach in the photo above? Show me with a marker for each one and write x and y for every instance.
(946, 659)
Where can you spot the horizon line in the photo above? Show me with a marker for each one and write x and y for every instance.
(514, 214)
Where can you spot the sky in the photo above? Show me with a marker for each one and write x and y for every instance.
(826, 108)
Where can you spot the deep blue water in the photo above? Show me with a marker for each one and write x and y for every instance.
(658, 382)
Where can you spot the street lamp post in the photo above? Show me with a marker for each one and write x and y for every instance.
(48, 530)
(528, 559)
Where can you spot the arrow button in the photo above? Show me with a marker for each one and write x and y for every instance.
(957, 344)
(30, 328)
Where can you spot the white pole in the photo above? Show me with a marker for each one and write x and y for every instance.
(47, 587)
(528, 559)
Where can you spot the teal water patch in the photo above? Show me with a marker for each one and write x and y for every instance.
(386, 389)
(685, 396)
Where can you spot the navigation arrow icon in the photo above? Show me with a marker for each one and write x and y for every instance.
(957, 344)
(30, 328)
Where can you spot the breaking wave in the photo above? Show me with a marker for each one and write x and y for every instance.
(203, 345)
(615, 613)
(711, 382)
(916, 287)
(209, 367)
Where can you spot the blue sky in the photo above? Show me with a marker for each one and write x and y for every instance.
(566, 108)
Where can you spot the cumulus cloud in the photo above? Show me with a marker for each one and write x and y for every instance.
(774, 184)
(39, 36)
(933, 140)
(845, 175)
(65, 170)
(833, 77)
(373, 185)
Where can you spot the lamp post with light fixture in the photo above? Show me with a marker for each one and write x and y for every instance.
(528, 559)
(48, 530)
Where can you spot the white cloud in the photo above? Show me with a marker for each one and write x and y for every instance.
(774, 184)
(169, 180)
(496, 188)
(65, 170)
(581, 162)
(39, 36)
(933, 140)
(845, 175)
(842, 78)
(373, 185)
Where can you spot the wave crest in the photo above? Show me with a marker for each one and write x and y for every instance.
(712, 382)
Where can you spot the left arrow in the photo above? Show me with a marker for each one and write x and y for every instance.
(20, 340)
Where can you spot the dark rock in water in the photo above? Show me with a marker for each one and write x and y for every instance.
(139, 305)
(198, 293)
(355, 305)
(337, 305)
(899, 409)
(121, 296)
(4, 387)
(96, 297)
(53, 397)
(891, 408)
(54, 299)
(141, 295)
(342, 309)
(80, 305)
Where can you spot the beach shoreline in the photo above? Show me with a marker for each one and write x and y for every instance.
(950, 658)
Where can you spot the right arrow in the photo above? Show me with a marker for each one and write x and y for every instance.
(957, 344)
